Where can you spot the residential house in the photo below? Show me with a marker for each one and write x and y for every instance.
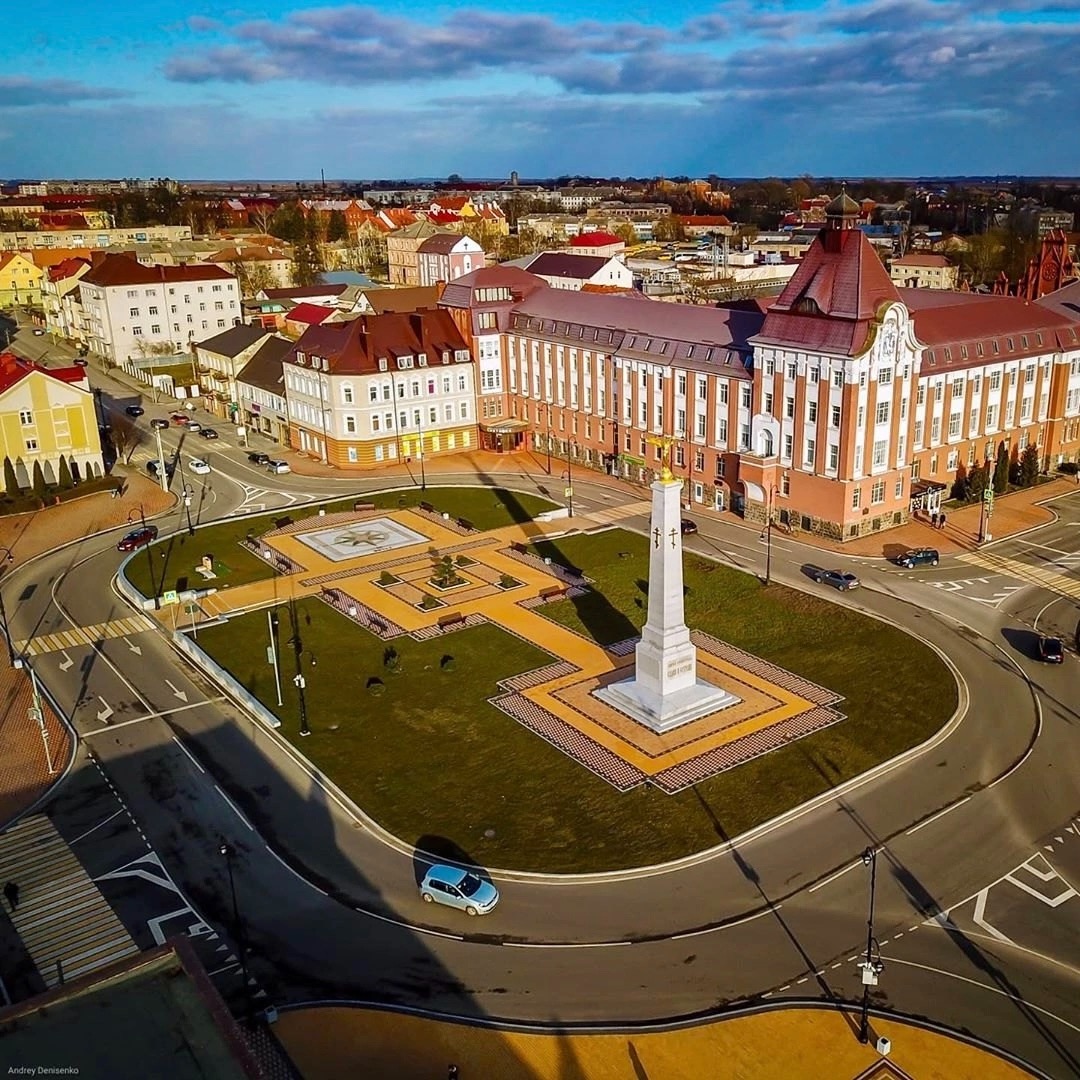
(47, 414)
(20, 280)
(603, 245)
(354, 211)
(378, 299)
(260, 391)
(267, 313)
(25, 240)
(304, 316)
(305, 294)
(257, 267)
(923, 271)
(381, 388)
(60, 298)
(565, 270)
(699, 225)
(132, 312)
(445, 257)
(218, 361)
(402, 251)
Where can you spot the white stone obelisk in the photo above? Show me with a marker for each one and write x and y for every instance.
(665, 691)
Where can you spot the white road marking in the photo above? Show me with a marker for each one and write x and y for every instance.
(191, 757)
(832, 877)
(939, 814)
(236, 809)
(97, 826)
(979, 918)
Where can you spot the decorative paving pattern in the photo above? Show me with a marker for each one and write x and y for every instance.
(390, 564)
(569, 594)
(281, 563)
(439, 631)
(552, 568)
(448, 523)
(356, 539)
(777, 708)
(361, 614)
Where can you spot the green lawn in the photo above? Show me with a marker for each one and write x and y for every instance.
(175, 559)
(430, 757)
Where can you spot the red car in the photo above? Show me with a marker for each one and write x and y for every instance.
(138, 538)
(180, 418)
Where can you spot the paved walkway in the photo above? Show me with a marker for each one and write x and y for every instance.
(788, 1044)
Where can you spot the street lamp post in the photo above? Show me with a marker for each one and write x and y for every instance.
(37, 713)
(229, 853)
(547, 405)
(149, 557)
(569, 482)
(871, 966)
(188, 494)
(766, 534)
(8, 558)
(298, 679)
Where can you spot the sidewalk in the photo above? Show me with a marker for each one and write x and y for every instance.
(785, 1044)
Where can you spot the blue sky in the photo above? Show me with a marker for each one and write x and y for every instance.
(282, 90)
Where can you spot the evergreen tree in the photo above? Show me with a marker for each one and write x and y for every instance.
(978, 479)
(1029, 465)
(336, 227)
(65, 474)
(961, 484)
(307, 255)
(1014, 466)
(1001, 470)
(38, 483)
(11, 484)
(287, 223)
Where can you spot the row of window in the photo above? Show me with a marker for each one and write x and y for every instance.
(226, 286)
(155, 328)
(219, 305)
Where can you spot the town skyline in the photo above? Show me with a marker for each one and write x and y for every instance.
(905, 88)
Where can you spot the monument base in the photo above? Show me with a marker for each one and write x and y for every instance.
(665, 713)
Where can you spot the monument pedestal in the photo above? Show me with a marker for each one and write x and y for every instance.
(665, 691)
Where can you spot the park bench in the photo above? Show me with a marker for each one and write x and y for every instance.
(450, 618)
(550, 592)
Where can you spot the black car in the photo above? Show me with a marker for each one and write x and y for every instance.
(207, 433)
(688, 527)
(1051, 649)
(134, 410)
(259, 458)
(918, 557)
(157, 422)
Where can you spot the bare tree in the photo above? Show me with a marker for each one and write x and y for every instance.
(124, 435)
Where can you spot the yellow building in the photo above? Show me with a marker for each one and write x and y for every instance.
(47, 414)
(20, 280)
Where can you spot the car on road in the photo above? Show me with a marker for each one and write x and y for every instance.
(38, 332)
(134, 410)
(138, 538)
(199, 467)
(194, 425)
(206, 432)
(157, 422)
(278, 466)
(837, 579)
(688, 527)
(1051, 649)
(180, 418)
(458, 888)
(152, 467)
(81, 361)
(259, 458)
(918, 557)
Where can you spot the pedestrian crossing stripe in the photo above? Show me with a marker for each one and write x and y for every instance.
(83, 636)
(65, 923)
(1031, 575)
(618, 513)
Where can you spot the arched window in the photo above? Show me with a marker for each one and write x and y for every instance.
(766, 444)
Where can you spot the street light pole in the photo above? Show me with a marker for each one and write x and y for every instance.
(149, 559)
(271, 621)
(298, 679)
(229, 853)
(8, 557)
(547, 405)
(569, 482)
(188, 493)
(37, 713)
(871, 966)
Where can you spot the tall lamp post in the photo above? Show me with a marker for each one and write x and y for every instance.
(872, 965)
(149, 557)
(228, 852)
(298, 679)
(547, 405)
(766, 534)
(8, 558)
(189, 492)
(569, 482)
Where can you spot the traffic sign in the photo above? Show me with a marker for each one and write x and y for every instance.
(170, 597)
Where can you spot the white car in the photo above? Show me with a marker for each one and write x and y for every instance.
(199, 467)
(278, 467)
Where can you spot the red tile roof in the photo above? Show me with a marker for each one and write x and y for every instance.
(460, 292)
(313, 314)
(934, 261)
(113, 270)
(832, 297)
(355, 347)
(67, 268)
(594, 239)
(14, 369)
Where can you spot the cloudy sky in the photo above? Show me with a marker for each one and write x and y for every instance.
(881, 87)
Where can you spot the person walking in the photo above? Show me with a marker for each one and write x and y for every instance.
(941, 522)
(11, 894)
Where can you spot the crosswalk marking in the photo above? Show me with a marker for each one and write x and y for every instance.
(1031, 575)
(618, 513)
(64, 921)
(81, 636)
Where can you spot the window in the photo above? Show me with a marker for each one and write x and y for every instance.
(954, 425)
(898, 490)
(791, 369)
(218, 306)
(958, 388)
(811, 412)
(881, 449)
(856, 498)
(1026, 406)
(26, 417)
(153, 310)
(155, 328)
(789, 408)
(133, 312)
(785, 484)
(350, 424)
(202, 307)
(463, 410)
(31, 444)
(939, 391)
(744, 396)
(991, 417)
(838, 378)
(834, 418)
(376, 422)
(721, 432)
(485, 320)
(680, 384)
(935, 429)
(834, 457)
(701, 425)
(881, 415)
(136, 331)
(723, 395)
(884, 375)
(808, 456)
(995, 380)
(789, 446)
(767, 403)
(920, 394)
(877, 492)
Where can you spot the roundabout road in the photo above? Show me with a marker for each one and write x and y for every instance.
(782, 915)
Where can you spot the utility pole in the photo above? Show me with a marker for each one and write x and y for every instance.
(163, 479)
(35, 712)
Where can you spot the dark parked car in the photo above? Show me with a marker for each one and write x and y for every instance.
(180, 418)
(134, 410)
(81, 361)
(837, 579)
(688, 527)
(1051, 649)
(206, 432)
(259, 458)
(159, 423)
(138, 538)
(918, 557)
(152, 468)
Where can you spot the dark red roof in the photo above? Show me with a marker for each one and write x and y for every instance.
(124, 270)
(460, 293)
(67, 268)
(567, 265)
(594, 239)
(13, 369)
(309, 313)
(832, 297)
(355, 347)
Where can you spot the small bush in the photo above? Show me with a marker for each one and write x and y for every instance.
(386, 578)
(375, 686)
(391, 658)
(428, 602)
(447, 663)
(463, 560)
(507, 582)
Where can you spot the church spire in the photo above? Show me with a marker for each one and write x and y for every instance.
(843, 212)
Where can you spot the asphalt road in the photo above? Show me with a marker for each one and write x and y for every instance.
(330, 911)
